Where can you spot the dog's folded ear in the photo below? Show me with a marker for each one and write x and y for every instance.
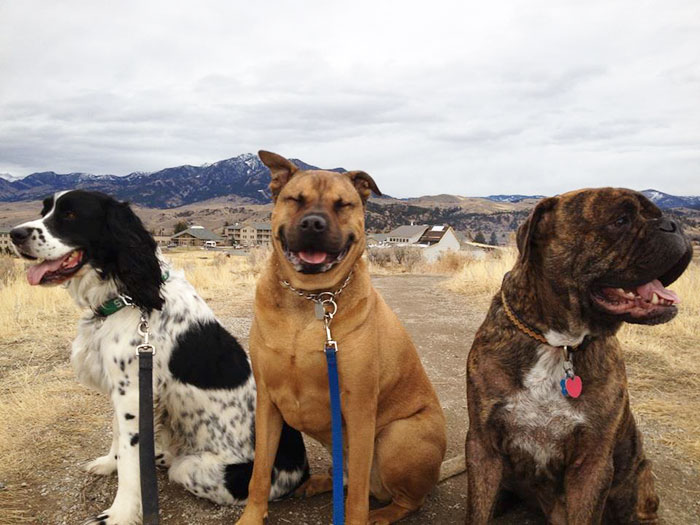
(532, 228)
(132, 256)
(281, 170)
(364, 184)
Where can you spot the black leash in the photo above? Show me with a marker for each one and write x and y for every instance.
(147, 460)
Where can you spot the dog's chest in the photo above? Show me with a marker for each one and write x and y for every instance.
(538, 418)
(298, 386)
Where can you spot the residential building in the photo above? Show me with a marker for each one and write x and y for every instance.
(5, 242)
(433, 240)
(249, 233)
(195, 236)
(407, 234)
(437, 240)
(376, 239)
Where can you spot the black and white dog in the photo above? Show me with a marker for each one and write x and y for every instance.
(203, 386)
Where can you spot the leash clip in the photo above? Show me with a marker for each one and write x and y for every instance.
(330, 342)
(145, 347)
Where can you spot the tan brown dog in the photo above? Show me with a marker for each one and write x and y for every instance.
(394, 428)
(589, 260)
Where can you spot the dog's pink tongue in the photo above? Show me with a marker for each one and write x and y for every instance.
(647, 291)
(37, 271)
(312, 257)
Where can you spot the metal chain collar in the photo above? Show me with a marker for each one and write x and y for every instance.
(317, 297)
(325, 307)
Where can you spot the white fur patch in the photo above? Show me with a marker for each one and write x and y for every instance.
(42, 244)
(539, 415)
(563, 339)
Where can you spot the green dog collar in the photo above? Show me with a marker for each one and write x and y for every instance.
(115, 304)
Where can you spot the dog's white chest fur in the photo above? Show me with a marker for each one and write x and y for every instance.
(539, 416)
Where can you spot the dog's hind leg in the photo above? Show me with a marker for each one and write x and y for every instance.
(107, 464)
(205, 475)
(408, 455)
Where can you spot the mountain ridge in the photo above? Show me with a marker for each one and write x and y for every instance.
(244, 177)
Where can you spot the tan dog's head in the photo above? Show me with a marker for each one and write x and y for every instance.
(318, 222)
(608, 253)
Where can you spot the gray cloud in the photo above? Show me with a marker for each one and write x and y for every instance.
(462, 98)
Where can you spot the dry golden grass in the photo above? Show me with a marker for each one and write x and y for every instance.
(483, 276)
(662, 362)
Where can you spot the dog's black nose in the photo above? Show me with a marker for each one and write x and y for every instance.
(313, 223)
(667, 225)
(19, 235)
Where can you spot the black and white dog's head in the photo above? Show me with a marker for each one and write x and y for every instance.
(79, 230)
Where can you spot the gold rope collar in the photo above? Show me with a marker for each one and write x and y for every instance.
(520, 325)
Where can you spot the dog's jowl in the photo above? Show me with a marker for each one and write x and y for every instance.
(394, 429)
(203, 386)
(549, 410)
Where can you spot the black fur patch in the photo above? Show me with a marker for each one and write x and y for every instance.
(291, 456)
(134, 440)
(129, 416)
(236, 479)
(208, 357)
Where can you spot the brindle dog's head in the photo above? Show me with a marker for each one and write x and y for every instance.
(318, 221)
(606, 253)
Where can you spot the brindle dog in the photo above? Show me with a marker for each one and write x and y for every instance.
(589, 261)
(394, 428)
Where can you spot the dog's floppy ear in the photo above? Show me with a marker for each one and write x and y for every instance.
(132, 256)
(528, 231)
(364, 184)
(281, 170)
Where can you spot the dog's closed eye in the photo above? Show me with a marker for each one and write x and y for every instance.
(340, 204)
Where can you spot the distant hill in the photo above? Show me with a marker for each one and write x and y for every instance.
(513, 198)
(666, 201)
(244, 180)
(244, 176)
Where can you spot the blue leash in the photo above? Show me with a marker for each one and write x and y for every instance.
(325, 309)
(336, 433)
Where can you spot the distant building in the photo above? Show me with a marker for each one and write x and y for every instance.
(249, 233)
(376, 239)
(5, 242)
(195, 236)
(407, 234)
(433, 240)
(437, 240)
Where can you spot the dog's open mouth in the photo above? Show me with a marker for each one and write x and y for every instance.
(637, 301)
(308, 261)
(56, 271)
(643, 302)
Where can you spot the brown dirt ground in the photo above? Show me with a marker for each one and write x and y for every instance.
(442, 325)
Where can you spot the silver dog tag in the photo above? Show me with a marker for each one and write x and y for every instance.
(320, 311)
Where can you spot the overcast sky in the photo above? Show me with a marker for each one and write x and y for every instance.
(471, 98)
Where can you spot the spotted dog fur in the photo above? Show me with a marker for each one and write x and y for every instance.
(203, 386)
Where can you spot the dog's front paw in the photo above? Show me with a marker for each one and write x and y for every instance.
(102, 466)
(115, 516)
(163, 459)
(251, 517)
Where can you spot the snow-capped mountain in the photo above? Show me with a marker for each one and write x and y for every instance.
(244, 176)
(664, 200)
(513, 198)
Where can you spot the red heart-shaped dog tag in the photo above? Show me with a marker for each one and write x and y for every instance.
(574, 386)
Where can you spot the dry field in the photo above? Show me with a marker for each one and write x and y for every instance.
(47, 419)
